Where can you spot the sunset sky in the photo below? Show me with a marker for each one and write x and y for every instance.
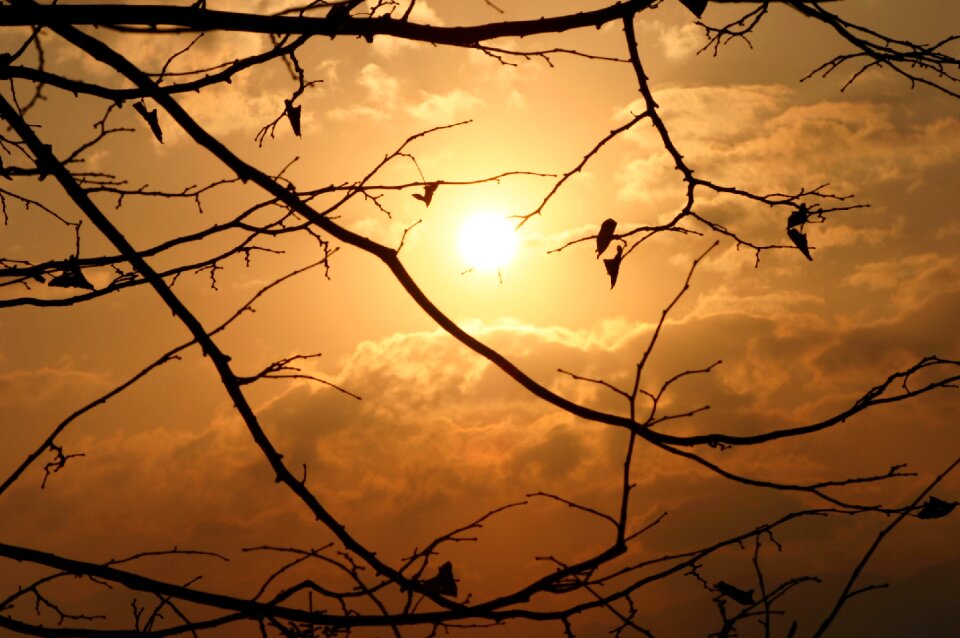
(441, 436)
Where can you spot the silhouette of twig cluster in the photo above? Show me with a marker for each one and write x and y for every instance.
(351, 585)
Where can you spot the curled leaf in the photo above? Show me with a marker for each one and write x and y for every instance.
(697, 7)
(428, 190)
(935, 508)
(800, 241)
(45, 162)
(744, 597)
(605, 235)
(613, 266)
(293, 114)
(71, 276)
(443, 584)
(569, 582)
(150, 116)
(798, 217)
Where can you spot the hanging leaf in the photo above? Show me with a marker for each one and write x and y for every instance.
(428, 190)
(570, 582)
(150, 115)
(735, 593)
(800, 240)
(45, 165)
(798, 217)
(697, 7)
(293, 114)
(605, 236)
(935, 508)
(71, 277)
(443, 584)
(613, 266)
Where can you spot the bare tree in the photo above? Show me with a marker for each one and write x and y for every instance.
(97, 96)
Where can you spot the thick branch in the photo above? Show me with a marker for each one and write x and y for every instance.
(192, 19)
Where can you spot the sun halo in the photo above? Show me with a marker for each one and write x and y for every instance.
(488, 241)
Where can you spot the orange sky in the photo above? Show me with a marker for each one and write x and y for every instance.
(441, 436)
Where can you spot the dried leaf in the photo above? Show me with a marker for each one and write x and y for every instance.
(613, 266)
(570, 582)
(293, 114)
(798, 217)
(935, 508)
(443, 584)
(697, 7)
(744, 597)
(800, 240)
(428, 190)
(45, 165)
(71, 276)
(605, 235)
(150, 115)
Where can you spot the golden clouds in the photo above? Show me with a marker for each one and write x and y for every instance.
(764, 137)
(384, 99)
(448, 107)
(443, 436)
(382, 88)
(44, 385)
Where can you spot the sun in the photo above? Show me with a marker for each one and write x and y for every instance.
(487, 241)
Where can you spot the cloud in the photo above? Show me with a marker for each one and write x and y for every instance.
(383, 99)
(442, 436)
(44, 385)
(733, 110)
(221, 112)
(761, 137)
(446, 107)
(382, 96)
(245, 105)
(773, 304)
(680, 42)
(381, 87)
(654, 181)
(896, 289)
(510, 81)
(433, 409)
(677, 41)
(37, 398)
(900, 273)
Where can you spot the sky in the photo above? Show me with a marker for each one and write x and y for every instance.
(440, 436)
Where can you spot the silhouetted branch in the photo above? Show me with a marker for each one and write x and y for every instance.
(370, 589)
(926, 64)
(848, 590)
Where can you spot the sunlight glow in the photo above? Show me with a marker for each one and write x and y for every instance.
(487, 241)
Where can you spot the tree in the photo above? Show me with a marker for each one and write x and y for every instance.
(132, 177)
